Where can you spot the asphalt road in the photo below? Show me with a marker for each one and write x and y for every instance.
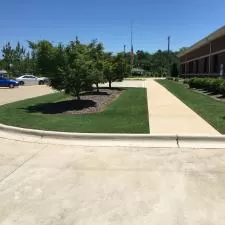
(8, 95)
(47, 184)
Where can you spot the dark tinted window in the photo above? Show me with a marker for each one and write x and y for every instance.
(215, 63)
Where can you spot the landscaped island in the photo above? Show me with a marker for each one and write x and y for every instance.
(109, 111)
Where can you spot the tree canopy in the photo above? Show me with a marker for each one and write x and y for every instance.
(77, 66)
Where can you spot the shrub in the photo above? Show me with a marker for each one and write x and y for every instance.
(195, 83)
(186, 81)
(215, 86)
(222, 88)
(208, 84)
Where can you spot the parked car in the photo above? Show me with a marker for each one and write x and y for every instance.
(31, 80)
(5, 82)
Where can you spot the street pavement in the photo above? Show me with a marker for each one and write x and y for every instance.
(8, 95)
(47, 184)
(67, 182)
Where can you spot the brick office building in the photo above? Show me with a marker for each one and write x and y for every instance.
(206, 57)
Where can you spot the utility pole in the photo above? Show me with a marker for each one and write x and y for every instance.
(124, 59)
(132, 48)
(168, 56)
(168, 44)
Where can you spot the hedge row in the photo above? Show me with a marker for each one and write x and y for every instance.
(201, 76)
(216, 86)
(173, 78)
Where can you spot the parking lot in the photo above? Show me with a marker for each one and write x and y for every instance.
(8, 95)
(65, 184)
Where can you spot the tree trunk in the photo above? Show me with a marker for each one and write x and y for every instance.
(97, 87)
(78, 95)
(110, 84)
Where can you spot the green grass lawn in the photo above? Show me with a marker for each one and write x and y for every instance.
(208, 108)
(127, 114)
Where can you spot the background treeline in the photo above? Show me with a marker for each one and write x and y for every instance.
(19, 60)
(78, 66)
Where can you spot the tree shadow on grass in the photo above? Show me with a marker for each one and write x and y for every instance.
(102, 91)
(60, 107)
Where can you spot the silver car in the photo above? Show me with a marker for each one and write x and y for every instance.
(31, 80)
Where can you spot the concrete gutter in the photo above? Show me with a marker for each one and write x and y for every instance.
(130, 140)
(201, 141)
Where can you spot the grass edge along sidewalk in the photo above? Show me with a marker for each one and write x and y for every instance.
(213, 111)
(127, 114)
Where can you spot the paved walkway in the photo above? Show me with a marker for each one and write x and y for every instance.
(167, 114)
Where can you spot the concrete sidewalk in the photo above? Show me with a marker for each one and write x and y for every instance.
(167, 114)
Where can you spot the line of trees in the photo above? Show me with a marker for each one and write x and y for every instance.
(160, 63)
(76, 67)
(17, 60)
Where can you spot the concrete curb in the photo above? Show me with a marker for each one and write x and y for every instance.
(70, 135)
(142, 140)
(202, 141)
(112, 139)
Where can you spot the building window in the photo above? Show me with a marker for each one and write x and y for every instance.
(215, 64)
(183, 69)
(206, 65)
(197, 66)
(191, 67)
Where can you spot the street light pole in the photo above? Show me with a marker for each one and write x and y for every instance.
(168, 56)
(132, 48)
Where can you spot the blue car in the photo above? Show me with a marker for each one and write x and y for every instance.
(5, 82)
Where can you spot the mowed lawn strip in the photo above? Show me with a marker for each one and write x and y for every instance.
(213, 111)
(127, 114)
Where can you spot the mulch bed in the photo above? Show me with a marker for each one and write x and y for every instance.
(90, 102)
(100, 100)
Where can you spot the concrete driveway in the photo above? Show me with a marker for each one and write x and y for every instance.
(8, 95)
(45, 184)
(126, 83)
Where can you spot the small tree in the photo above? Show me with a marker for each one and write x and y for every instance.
(44, 53)
(78, 69)
(121, 67)
(108, 70)
(68, 68)
(115, 68)
(8, 57)
(96, 56)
